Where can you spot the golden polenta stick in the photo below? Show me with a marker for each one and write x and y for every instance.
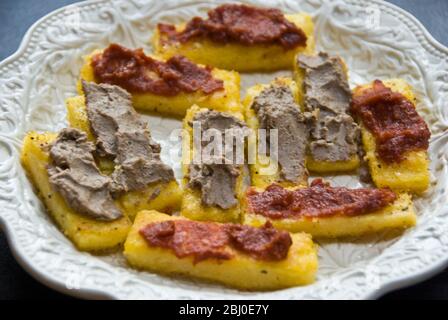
(323, 88)
(227, 99)
(86, 233)
(193, 206)
(164, 197)
(235, 56)
(240, 271)
(264, 169)
(412, 173)
(399, 214)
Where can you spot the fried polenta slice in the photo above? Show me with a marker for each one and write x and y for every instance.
(86, 233)
(409, 175)
(398, 215)
(318, 166)
(241, 271)
(265, 170)
(165, 197)
(227, 99)
(234, 56)
(192, 206)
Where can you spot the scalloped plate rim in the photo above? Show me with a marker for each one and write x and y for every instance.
(48, 280)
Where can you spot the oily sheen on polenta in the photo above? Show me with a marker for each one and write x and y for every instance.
(234, 56)
(411, 174)
(398, 215)
(261, 162)
(222, 100)
(241, 271)
(86, 233)
(192, 206)
(165, 197)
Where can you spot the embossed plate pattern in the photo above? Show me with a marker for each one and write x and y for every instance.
(377, 41)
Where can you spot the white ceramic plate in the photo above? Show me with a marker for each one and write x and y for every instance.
(377, 41)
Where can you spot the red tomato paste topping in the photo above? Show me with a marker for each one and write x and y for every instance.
(242, 24)
(393, 121)
(138, 73)
(266, 243)
(204, 240)
(319, 200)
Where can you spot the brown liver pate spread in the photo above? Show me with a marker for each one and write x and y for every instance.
(138, 73)
(204, 240)
(123, 135)
(318, 200)
(242, 24)
(393, 121)
(73, 173)
(216, 176)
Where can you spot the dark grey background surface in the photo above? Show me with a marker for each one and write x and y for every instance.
(17, 16)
